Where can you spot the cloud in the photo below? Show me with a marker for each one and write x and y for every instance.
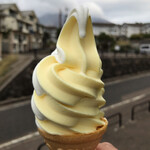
(121, 11)
(94, 9)
(118, 11)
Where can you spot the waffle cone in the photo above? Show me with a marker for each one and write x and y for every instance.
(75, 141)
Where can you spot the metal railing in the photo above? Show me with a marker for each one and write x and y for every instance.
(119, 116)
(41, 146)
(137, 106)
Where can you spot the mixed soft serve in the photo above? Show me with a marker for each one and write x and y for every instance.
(68, 91)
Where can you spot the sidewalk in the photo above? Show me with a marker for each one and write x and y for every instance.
(132, 135)
(135, 135)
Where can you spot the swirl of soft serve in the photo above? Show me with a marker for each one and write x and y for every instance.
(68, 91)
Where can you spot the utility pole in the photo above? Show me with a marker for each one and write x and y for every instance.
(0, 46)
(0, 37)
(60, 18)
(66, 14)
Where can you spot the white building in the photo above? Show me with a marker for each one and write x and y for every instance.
(146, 28)
(107, 28)
(130, 29)
(119, 30)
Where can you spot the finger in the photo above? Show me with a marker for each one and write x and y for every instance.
(105, 146)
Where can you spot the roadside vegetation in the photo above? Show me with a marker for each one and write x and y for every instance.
(140, 37)
(108, 43)
(6, 63)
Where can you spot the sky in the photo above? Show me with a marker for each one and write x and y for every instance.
(116, 11)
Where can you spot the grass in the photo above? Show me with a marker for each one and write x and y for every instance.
(5, 64)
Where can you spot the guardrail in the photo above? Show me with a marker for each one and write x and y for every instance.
(119, 116)
(136, 106)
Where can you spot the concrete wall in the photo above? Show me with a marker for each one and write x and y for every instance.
(98, 30)
(132, 30)
(117, 30)
(0, 46)
(114, 67)
(10, 23)
(146, 28)
(6, 12)
(111, 67)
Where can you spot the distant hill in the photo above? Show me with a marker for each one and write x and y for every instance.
(52, 20)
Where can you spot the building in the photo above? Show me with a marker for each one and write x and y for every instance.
(125, 29)
(107, 28)
(130, 29)
(14, 29)
(36, 30)
(52, 31)
(146, 28)
(21, 30)
(1, 17)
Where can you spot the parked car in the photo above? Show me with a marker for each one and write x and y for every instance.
(145, 48)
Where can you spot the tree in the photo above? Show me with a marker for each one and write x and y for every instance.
(46, 39)
(58, 32)
(136, 37)
(0, 46)
(105, 42)
(140, 36)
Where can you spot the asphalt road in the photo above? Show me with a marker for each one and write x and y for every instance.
(18, 119)
(115, 91)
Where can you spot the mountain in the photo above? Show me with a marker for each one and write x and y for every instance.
(53, 20)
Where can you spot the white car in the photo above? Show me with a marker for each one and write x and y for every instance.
(145, 48)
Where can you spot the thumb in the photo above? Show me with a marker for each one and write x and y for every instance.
(105, 146)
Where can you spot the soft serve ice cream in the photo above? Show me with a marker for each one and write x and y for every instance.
(68, 91)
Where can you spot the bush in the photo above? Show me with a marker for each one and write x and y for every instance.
(139, 36)
(105, 42)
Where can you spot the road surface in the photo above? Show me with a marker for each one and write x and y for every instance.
(17, 119)
(122, 89)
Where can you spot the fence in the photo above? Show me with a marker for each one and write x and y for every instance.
(41, 146)
(119, 118)
(137, 106)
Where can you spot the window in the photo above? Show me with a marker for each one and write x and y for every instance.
(30, 29)
(25, 26)
(31, 18)
(37, 28)
(13, 13)
(16, 36)
(14, 45)
(20, 25)
(145, 47)
(24, 37)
